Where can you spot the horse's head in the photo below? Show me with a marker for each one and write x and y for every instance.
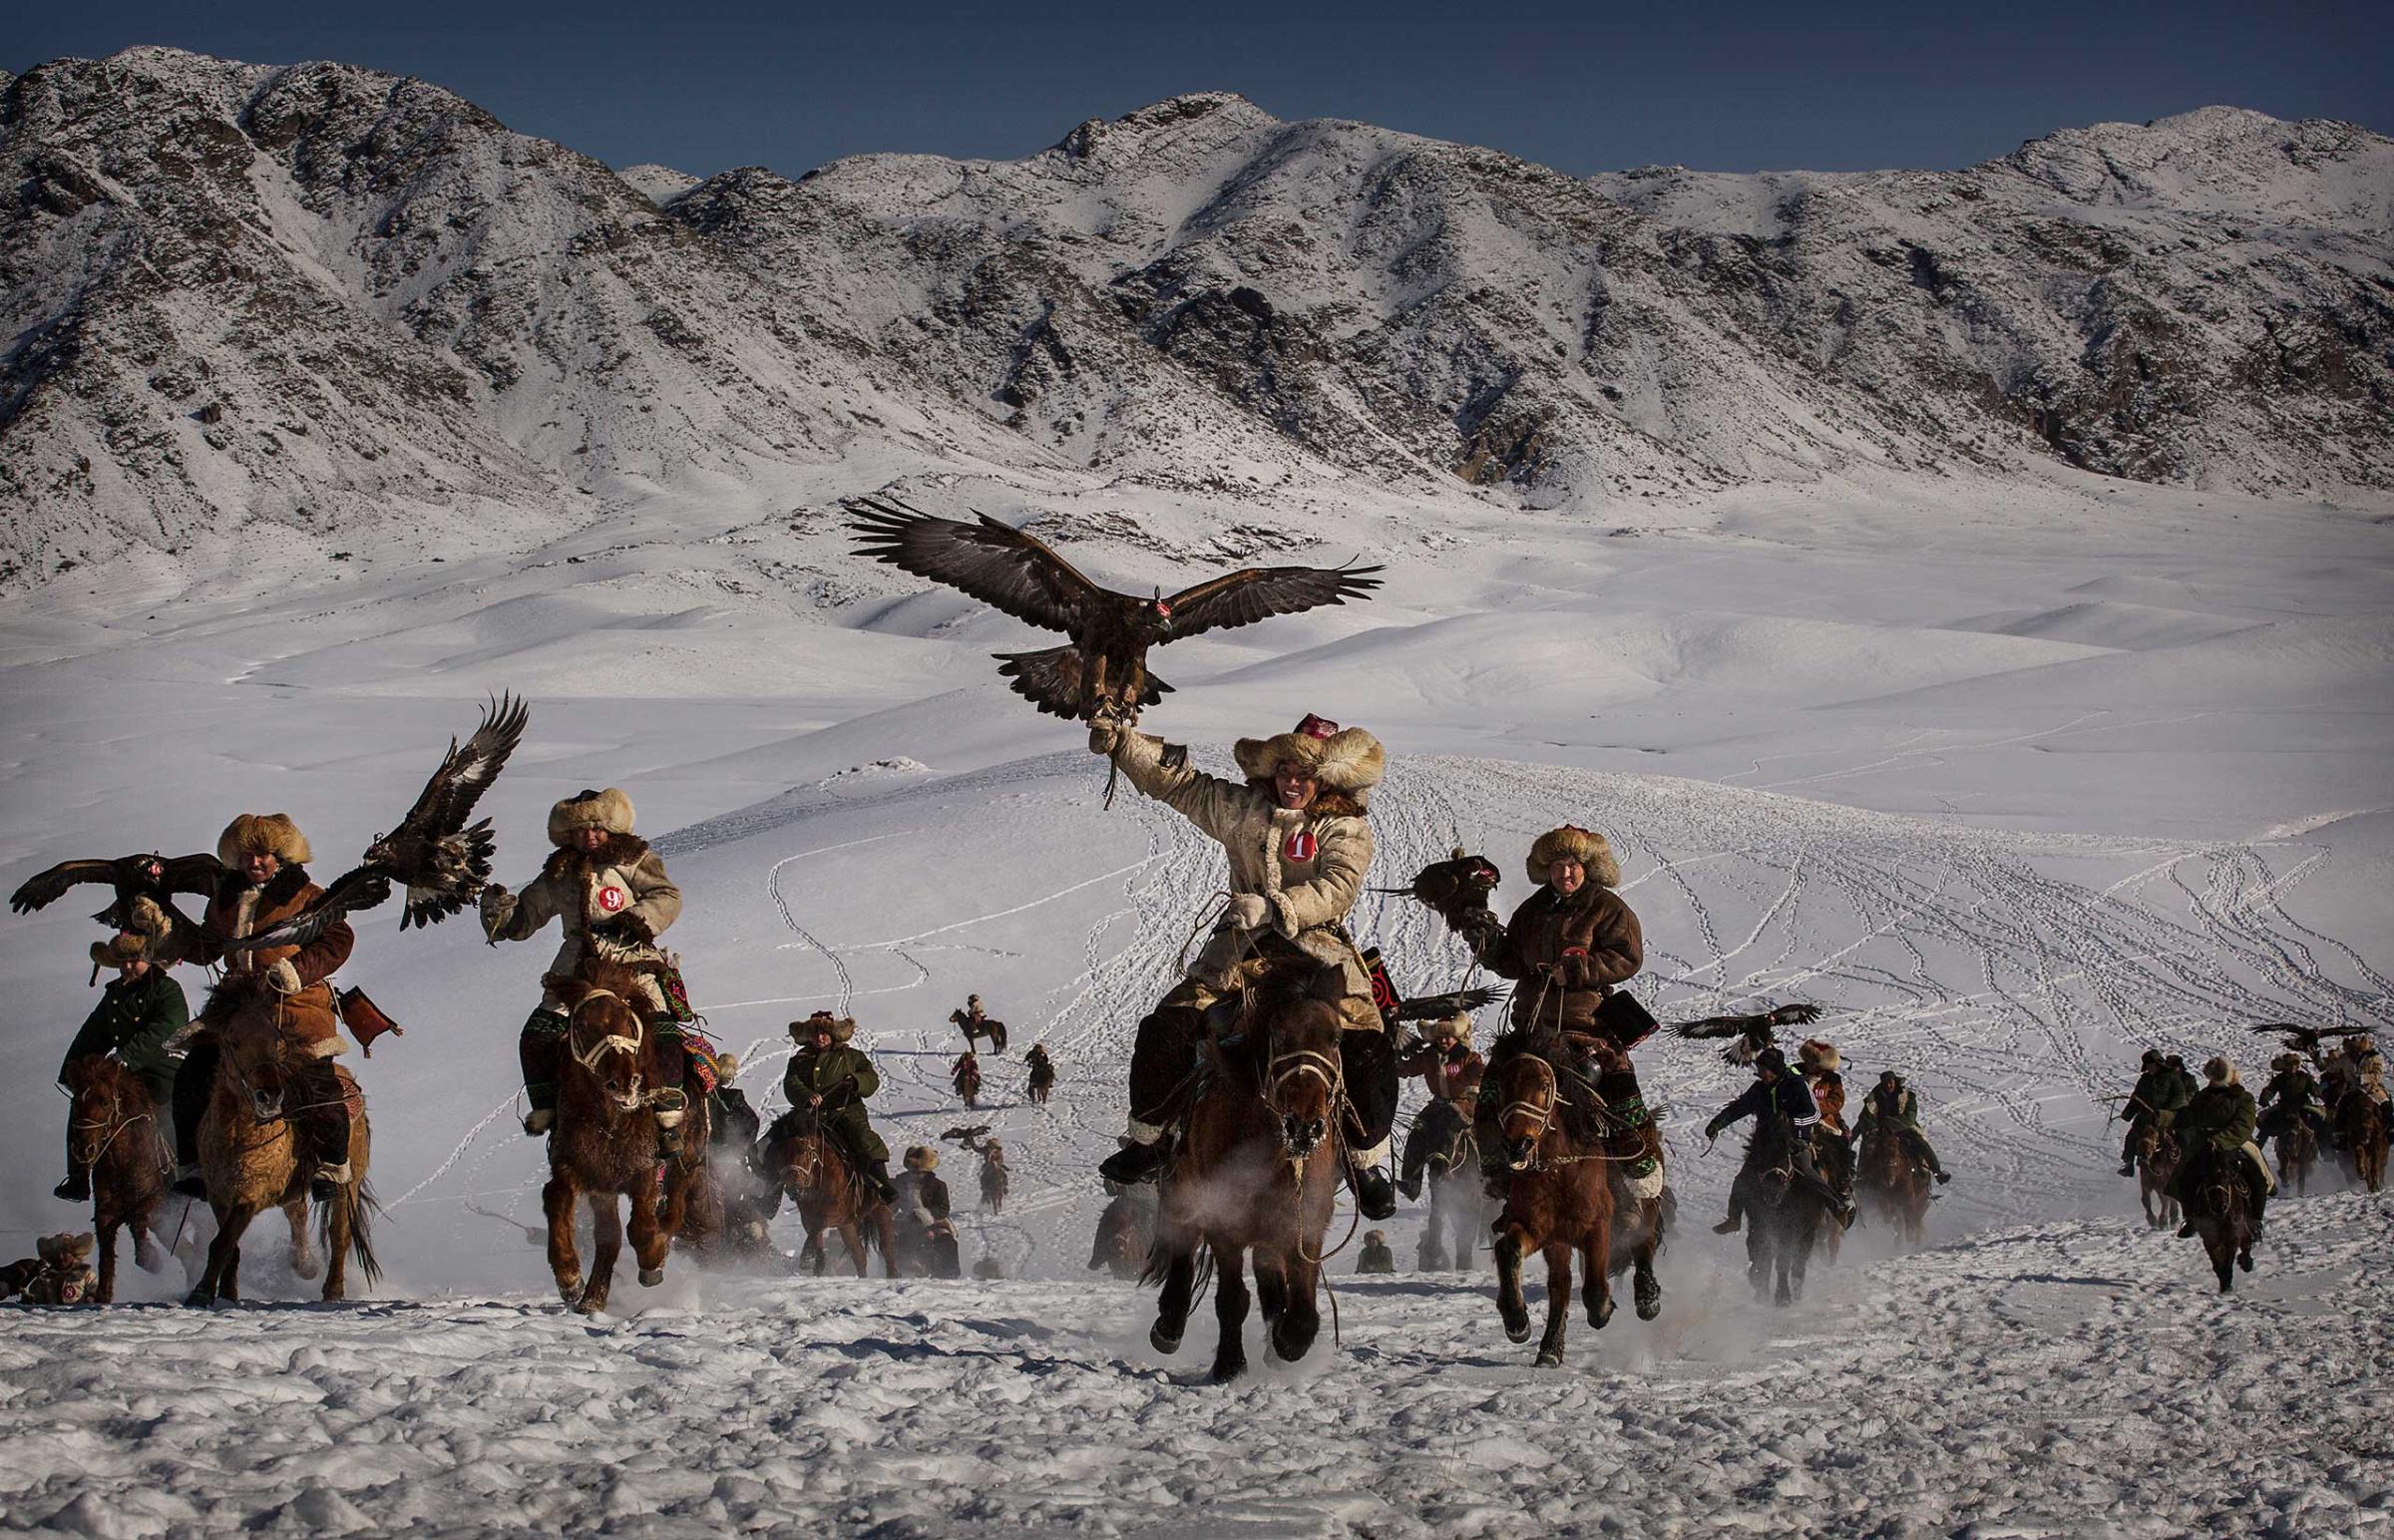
(1530, 1096)
(607, 1030)
(106, 1097)
(1303, 1077)
(257, 1058)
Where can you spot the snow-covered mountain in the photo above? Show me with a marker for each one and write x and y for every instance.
(250, 305)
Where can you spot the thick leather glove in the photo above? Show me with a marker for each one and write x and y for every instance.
(498, 907)
(283, 978)
(1247, 911)
(626, 929)
(1105, 735)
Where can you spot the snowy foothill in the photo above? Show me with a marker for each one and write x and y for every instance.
(2011, 783)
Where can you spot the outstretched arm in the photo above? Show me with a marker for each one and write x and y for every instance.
(1162, 770)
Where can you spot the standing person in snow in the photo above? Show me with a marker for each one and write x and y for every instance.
(1570, 945)
(1298, 842)
(1377, 1257)
(266, 882)
(2155, 1101)
(139, 1010)
(611, 897)
(735, 1123)
(1453, 1073)
(965, 1074)
(1778, 1095)
(1893, 1108)
(2219, 1124)
(831, 1078)
(920, 1208)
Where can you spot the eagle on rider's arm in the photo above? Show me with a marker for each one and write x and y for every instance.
(134, 878)
(1752, 1034)
(1103, 670)
(444, 862)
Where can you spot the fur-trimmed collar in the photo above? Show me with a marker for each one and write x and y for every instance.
(621, 849)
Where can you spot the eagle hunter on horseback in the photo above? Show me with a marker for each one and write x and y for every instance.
(1440, 1143)
(2223, 1183)
(1298, 839)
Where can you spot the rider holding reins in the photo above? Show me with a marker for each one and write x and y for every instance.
(1298, 844)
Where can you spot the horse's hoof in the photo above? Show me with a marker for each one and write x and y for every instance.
(2245, 1260)
(569, 1292)
(199, 1299)
(1600, 1312)
(1516, 1331)
(1290, 1346)
(1163, 1341)
(1227, 1369)
(1650, 1304)
(305, 1267)
(587, 1307)
(147, 1257)
(651, 1276)
(1550, 1357)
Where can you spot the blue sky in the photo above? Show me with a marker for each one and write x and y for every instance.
(1731, 86)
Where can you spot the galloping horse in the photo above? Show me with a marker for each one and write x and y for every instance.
(113, 1126)
(603, 1146)
(2221, 1210)
(2298, 1152)
(1889, 1178)
(2361, 1125)
(249, 1153)
(1457, 1206)
(1258, 1171)
(2157, 1154)
(801, 1160)
(1784, 1215)
(1558, 1200)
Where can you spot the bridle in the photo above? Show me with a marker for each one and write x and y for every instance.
(1549, 1100)
(612, 1042)
(87, 1153)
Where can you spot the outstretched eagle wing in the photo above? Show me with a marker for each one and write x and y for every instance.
(199, 873)
(358, 888)
(1723, 1026)
(1437, 1007)
(1002, 566)
(44, 887)
(1258, 592)
(467, 771)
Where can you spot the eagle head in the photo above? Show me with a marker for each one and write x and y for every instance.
(154, 868)
(379, 852)
(1162, 607)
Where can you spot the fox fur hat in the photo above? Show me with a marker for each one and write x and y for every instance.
(921, 1157)
(66, 1248)
(1817, 1054)
(2219, 1071)
(727, 1067)
(1457, 1026)
(609, 810)
(841, 1027)
(262, 833)
(1585, 845)
(1343, 759)
(119, 949)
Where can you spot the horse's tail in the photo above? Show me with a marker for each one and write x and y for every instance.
(358, 1198)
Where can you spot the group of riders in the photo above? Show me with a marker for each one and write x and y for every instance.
(1296, 832)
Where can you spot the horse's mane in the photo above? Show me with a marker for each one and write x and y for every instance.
(624, 980)
(101, 1071)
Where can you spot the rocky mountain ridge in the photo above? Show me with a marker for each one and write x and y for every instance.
(326, 303)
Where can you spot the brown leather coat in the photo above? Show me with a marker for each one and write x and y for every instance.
(239, 907)
(1567, 955)
(1450, 1079)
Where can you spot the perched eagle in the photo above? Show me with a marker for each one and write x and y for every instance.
(1752, 1034)
(1456, 889)
(1104, 670)
(133, 878)
(443, 862)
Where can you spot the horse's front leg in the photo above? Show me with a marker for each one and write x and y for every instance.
(106, 1293)
(340, 1224)
(1300, 1318)
(1558, 1302)
(854, 1238)
(220, 1278)
(649, 1237)
(606, 1244)
(565, 1262)
(1230, 1312)
(1512, 1245)
(305, 1263)
(1647, 1284)
(1172, 1307)
(1597, 1286)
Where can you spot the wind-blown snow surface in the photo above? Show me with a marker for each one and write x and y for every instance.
(2013, 788)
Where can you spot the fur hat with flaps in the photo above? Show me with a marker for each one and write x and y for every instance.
(262, 833)
(841, 1027)
(1585, 846)
(921, 1157)
(63, 1249)
(609, 810)
(1346, 760)
(119, 949)
(2219, 1071)
(1817, 1054)
(1456, 1027)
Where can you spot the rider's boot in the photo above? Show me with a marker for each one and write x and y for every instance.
(877, 1176)
(195, 1082)
(1145, 1152)
(1163, 1061)
(328, 1133)
(77, 1188)
(668, 1128)
(1737, 1215)
(536, 1049)
(1371, 1192)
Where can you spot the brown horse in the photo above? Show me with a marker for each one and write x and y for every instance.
(2157, 1154)
(1459, 1208)
(250, 1154)
(1258, 1170)
(1891, 1179)
(2220, 1209)
(2298, 1152)
(1125, 1230)
(2361, 1128)
(996, 1180)
(113, 1126)
(1043, 1081)
(803, 1162)
(1558, 1200)
(1784, 1215)
(603, 1146)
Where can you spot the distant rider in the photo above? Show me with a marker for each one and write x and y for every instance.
(1777, 1097)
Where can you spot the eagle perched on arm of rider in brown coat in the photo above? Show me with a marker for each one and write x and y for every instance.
(1103, 670)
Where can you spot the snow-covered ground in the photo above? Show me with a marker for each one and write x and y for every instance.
(2012, 787)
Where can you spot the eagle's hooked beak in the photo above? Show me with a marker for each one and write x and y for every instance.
(1161, 607)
